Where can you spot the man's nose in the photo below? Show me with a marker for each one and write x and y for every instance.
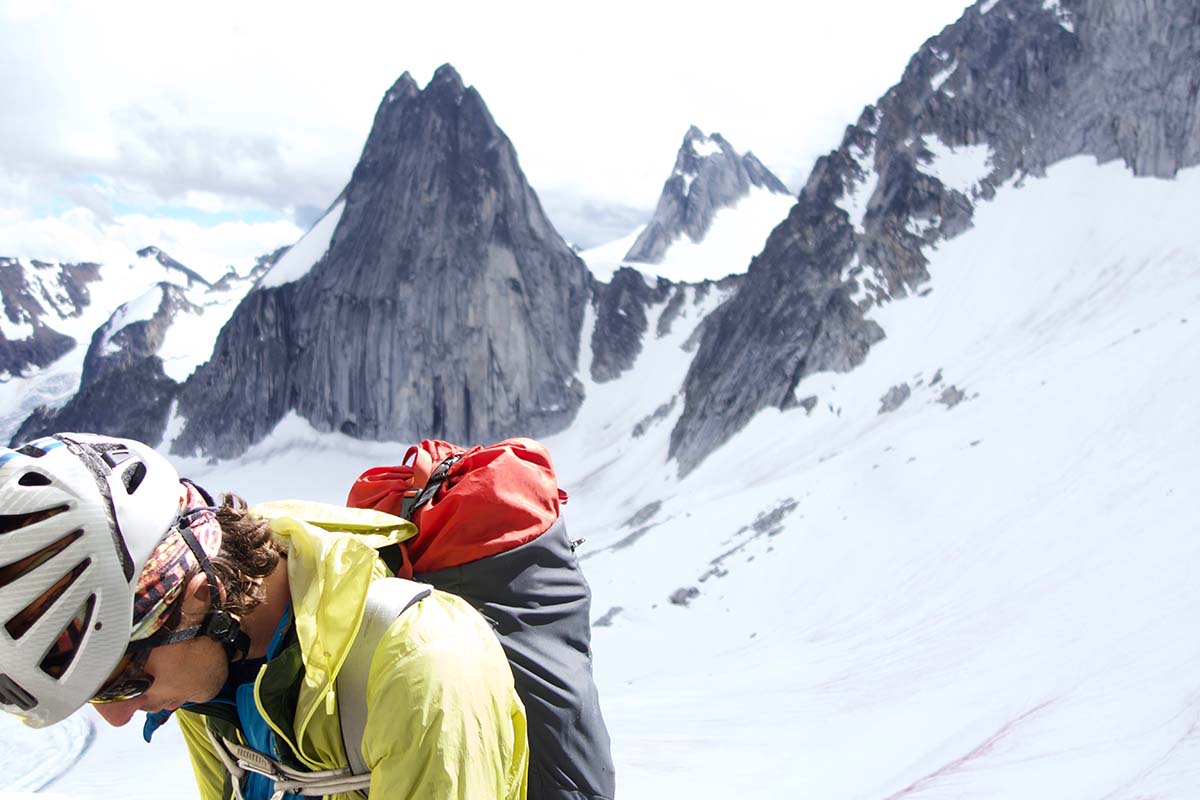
(118, 713)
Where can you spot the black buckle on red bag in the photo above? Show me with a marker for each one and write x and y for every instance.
(410, 505)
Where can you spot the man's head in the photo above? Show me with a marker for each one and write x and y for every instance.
(193, 670)
(104, 554)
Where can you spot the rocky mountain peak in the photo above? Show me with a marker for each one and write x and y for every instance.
(122, 388)
(708, 176)
(1010, 88)
(447, 82)
(405, 87)
(33, 297)
(434, 299)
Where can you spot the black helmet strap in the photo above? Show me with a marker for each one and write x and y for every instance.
(217, 624)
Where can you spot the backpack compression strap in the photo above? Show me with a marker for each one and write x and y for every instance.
(387, 599)
(393, 554)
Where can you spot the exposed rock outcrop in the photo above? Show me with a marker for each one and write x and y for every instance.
(895, 397)
(133, 402)
(124, 387)
(1009, 89)
(709, 175)
(33, 296)
(440, 302)
(621, 321)
(123, 390)
(134, 332)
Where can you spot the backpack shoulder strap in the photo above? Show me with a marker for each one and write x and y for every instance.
(387, 599)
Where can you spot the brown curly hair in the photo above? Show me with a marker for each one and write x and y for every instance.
(249, 553)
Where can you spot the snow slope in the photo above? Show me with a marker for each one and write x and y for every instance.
(990, 592)
(738, 233)
(988, 600)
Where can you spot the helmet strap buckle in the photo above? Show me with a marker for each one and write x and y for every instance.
(225, 629)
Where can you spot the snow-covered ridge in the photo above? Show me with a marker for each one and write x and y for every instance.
(736, 235)
(125, 292)
(193, 333)
(140, 309)
(305, 254)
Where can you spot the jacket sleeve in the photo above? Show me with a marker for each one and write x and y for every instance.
(444, 721)
(211, 777)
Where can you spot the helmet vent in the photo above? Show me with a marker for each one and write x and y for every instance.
(113, 454)
(14, 522)
(133, 475)
(59, 658)
(34, 479)
(19, 569)
(25, 619)
(13, 694)
(31, 450)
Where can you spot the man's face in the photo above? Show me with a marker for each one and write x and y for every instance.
(184, 672)
(191, 671)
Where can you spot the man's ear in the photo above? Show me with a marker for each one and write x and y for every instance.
(197, 601)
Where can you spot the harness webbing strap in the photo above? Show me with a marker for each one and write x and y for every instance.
(387, 599)
(239, 759)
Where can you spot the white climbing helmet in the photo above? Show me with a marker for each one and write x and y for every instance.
(80, 515)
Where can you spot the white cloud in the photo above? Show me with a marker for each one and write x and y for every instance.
(258, 104)
(80, 235)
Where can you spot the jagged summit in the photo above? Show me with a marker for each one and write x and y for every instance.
(404, 87)
(1009, 89)
(434, 298)
(446, 79)
(709, 175)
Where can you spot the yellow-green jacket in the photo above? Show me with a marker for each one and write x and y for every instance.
(444, 720)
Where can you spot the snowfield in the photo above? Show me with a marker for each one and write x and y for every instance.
(989, 592)
(737, 234)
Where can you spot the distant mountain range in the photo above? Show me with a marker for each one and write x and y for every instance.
(435, 298)
(895, 472)
(709, 175)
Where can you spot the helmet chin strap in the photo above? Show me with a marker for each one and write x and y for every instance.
(217, 624)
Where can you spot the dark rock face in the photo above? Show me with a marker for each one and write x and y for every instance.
(709, 175)
(621, 321)
(1034, 82)
(34, 296)
(132, 402)
(446, 304)
(123, 389)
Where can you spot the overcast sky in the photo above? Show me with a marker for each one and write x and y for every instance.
(218, 130)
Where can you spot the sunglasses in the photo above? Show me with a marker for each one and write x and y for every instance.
(131, 680)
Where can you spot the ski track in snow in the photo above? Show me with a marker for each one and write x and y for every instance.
(991, 600)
